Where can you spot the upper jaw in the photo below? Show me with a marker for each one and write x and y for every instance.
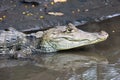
(88, 37)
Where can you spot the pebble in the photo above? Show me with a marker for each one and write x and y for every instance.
(73, 12)
(1, 19)
(4, 16)
(41, 17)
(59, 1)
(23, 12)
(26, 6)
(41, 9)
(113, 31)
(56, 13)
(33, 6)
(78, 10)
(52, 3)
(86, 10)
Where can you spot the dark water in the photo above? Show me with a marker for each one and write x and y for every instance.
(94, 62)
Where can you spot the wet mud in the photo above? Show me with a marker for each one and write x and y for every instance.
(33, 14)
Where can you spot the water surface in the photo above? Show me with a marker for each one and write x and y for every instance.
(94, 62)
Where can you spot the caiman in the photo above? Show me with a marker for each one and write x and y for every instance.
(51, 40)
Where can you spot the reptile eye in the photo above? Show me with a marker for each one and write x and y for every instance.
(69, 30)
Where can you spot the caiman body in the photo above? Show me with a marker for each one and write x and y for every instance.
(11, 38)
(51, 40)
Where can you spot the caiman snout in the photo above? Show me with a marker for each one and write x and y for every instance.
(103, 35)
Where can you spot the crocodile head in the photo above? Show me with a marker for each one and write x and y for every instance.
(68, 37)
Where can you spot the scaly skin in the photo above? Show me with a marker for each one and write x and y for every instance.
(68, 37)
(12, 40)
(11, 37)
(51, 40)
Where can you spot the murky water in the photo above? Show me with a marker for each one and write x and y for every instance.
(94, 62)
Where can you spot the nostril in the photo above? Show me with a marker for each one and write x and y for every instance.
(103, 34)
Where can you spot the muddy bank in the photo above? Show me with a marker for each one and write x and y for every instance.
(34, 13)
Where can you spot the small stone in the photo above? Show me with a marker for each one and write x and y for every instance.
(28, 14)
(73, 12)
(1, 19)
(33, 6)
(26, 6)
(11, 1)
(14, 5)
(86, 10)
(4, 16)
(41, 17)
(52, 3)
(23, 12)
(59, 1)
(113, 31)
(78, 10)
(56, 13)
(41, 9)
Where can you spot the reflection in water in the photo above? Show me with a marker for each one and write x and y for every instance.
(96, 62)
(90, 74)
(63, 61)
(109, 72)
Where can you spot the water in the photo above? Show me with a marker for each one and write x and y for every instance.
(94, 62)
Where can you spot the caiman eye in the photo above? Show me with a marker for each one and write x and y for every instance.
(68, 30)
